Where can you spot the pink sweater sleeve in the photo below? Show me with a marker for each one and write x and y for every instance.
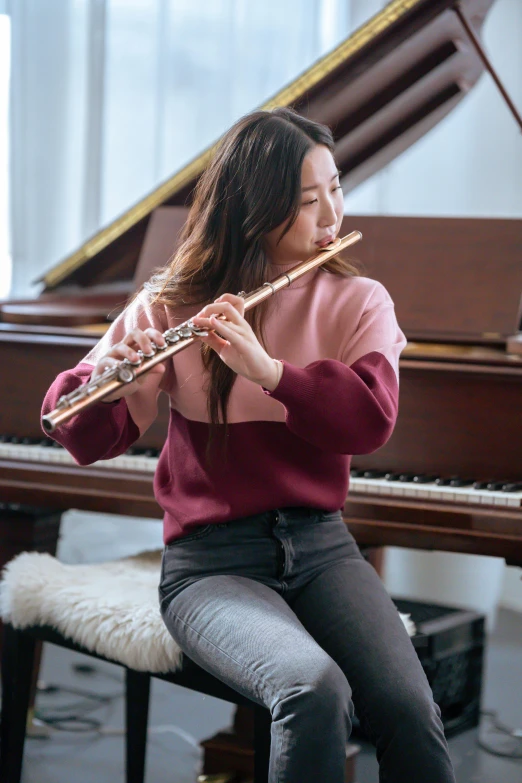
(349, 405)
(106, 430)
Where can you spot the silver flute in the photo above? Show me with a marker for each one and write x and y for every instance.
(176, 340)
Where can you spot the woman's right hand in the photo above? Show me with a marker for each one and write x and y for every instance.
(126, 349)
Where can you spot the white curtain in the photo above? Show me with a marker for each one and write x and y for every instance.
(110, 97)
(5, 260)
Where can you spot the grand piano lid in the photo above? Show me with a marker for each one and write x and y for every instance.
(380, 90)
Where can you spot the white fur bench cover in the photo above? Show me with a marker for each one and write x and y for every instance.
(109, 608)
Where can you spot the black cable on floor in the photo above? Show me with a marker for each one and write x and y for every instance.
(74, 717)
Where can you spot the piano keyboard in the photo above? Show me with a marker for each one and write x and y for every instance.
(378, 483)
(446, 490)
(51, 453)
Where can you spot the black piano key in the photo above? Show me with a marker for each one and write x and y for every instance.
(496, 486)
(458, 482)
(425, 479)
(374, 474)
(481, 484)
(514, 487)
(444, 481)
(407, 477)
(392, 476)
(355, 473)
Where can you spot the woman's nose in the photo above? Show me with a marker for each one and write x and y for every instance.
(328, 215)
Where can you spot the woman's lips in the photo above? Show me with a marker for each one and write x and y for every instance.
(325, 241)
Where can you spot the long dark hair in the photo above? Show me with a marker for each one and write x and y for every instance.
(252, 186)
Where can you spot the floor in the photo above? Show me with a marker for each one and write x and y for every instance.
(180, 719)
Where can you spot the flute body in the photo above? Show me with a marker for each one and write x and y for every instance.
(176, 339)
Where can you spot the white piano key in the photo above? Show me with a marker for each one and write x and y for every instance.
(422, 492)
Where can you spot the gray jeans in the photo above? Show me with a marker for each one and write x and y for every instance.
(282, 607)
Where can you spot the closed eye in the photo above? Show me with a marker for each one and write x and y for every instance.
(338, 187)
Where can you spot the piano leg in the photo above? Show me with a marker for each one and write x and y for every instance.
(22, 529)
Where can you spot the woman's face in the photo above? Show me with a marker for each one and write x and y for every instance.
(320, 215)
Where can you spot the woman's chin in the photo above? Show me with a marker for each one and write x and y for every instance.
(308, 251)
(298, 255)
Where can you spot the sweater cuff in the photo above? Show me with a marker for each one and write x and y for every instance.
(97, 418)
(295, 385)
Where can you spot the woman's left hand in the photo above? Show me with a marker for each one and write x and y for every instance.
(236, 343)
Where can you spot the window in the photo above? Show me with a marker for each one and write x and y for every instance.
(5, 260)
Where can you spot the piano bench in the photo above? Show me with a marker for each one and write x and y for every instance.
(109, 611)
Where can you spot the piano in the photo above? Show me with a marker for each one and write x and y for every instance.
(450, 477)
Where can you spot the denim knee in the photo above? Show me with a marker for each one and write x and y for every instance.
(410, 740)
(415, 709)
(320, 690)
(410, 713)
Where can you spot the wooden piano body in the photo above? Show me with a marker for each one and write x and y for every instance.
(456, 284)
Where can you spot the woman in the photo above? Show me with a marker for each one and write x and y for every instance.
(262, 584)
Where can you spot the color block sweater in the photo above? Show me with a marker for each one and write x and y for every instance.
(339, 342)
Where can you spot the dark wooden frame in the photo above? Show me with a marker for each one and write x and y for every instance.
(18, 657)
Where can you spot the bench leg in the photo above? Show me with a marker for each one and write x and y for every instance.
(262, 727)
(137, 718)
(17, 673)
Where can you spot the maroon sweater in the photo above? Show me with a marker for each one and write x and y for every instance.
(339, 343)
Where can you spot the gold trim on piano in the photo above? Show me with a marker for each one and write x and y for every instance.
(288, 95)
